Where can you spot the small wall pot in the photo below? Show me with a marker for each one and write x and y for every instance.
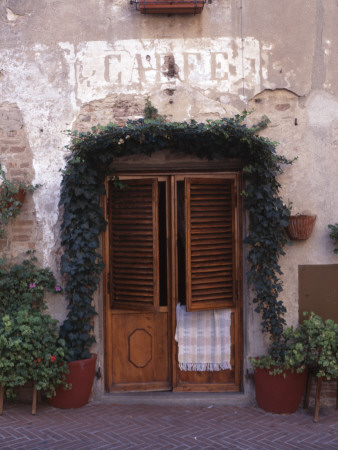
(300, 226)
(278, 393)
(81, 376)
(19, 197)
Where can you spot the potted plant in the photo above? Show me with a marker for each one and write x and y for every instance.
(30, 347)
(12, 196)
(313, 346)
(280, 377)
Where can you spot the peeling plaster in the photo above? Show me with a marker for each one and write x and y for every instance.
(11, 16)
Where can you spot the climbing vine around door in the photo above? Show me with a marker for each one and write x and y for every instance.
(89, 162)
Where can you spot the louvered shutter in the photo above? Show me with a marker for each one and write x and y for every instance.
(210, 243)
(134, 245)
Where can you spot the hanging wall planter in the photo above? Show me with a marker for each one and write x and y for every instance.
(170, 6)
(15, 199)
(301, 226)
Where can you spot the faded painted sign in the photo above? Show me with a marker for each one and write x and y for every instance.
(136, 65)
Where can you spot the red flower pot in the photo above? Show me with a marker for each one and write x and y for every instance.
(81, 376)
(278, 393)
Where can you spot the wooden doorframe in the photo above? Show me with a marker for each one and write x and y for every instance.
(177, 172)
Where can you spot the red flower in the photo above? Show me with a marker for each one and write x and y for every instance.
(52, 358)
(37, 361)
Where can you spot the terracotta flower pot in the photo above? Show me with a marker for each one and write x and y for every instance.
(171, 6)
(278, 393)
(81, 376)
(300, 226)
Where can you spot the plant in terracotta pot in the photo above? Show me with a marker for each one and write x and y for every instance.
(280, 376)
(12, 196)
(313, 346)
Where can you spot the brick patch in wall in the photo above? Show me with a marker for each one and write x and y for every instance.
(16, 156)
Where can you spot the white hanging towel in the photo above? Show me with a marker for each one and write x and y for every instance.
(203, 339)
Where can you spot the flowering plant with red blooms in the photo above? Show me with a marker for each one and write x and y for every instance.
(30, 346)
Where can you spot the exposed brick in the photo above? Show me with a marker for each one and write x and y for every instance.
(17, 149)
(20, 230)
(25, 165)
(20, 222)
(12, 142)
(12, 133)
(16, 173)
(283, 107)
(11, 165)
(20, 238)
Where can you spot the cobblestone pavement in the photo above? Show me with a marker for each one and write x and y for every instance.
(99, 425)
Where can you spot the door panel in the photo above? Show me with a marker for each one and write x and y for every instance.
(210, 238)
(134, 258)
(140, 351)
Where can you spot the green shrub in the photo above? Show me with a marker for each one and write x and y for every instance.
(313, 344)
(30, 350)
(24, 284)
(30, 347)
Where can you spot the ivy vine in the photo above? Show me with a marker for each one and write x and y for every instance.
(90, 161)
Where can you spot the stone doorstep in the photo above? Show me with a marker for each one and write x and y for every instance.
(179, 398)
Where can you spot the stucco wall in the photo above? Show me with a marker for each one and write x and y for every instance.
(73, 64)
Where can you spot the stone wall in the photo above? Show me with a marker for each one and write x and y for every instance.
(74, 64)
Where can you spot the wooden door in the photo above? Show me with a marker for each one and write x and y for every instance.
(210, 218)
(171, 238)
(138, 312)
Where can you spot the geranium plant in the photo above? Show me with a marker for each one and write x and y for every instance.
(30, 347)
(30, 350)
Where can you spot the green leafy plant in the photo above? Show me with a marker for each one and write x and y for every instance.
(313, 344)
(334, 236)
(290, 355)
(30, 350)
(319, 339)
(10, 203)
(89, 163)
(24, 285)
(30, 347)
